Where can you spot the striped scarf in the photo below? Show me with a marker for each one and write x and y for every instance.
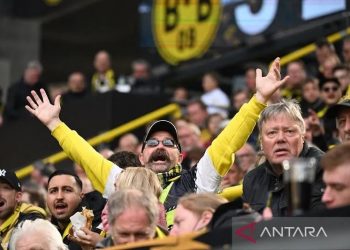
(167, 177)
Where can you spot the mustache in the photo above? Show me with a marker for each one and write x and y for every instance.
(159, 155)
(60, 203)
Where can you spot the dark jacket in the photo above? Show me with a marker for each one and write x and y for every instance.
(260, 181)
(16, 98)
(183, 185)
(93, 201)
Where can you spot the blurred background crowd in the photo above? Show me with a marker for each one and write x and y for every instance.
(207, 98)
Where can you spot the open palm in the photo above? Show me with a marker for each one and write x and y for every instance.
(267, 85)
(42, 109)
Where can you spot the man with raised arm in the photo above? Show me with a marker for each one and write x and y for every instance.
(161, 151)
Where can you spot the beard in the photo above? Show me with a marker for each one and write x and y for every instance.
(159, 161)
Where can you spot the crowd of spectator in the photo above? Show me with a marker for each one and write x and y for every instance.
(173, 180)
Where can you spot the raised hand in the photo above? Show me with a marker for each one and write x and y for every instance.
(42, 109)
(267, 85)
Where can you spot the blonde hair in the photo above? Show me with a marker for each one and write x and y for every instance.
(139, 178)
(199, 203)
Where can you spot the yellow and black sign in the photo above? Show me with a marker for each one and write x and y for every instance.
(52, 2)
(184, 29)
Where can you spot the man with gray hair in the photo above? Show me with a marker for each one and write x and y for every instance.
(132, 216)
(282, 129)
(37, 234)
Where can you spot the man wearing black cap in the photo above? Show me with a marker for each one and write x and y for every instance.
(341, 112)
(161, 150)
(12, 210)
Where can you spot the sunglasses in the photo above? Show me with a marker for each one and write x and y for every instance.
(169, 143)
(328, 89)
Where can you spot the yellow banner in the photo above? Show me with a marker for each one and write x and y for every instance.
(184, 29)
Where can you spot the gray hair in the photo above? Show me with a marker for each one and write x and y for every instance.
(48, 232)
(142, 62)
(35, 65)
(124, 199)
(289, 108)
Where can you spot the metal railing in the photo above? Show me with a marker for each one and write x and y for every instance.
(310, 48)
(171, 109)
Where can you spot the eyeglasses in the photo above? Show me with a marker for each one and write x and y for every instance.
(328, 89)
(166, 143)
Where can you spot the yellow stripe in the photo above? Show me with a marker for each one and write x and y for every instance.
(165, 193)
(170, 215)
(173, 109)
(308, 49)
(232, 193)
(66, 231)
(159, 233)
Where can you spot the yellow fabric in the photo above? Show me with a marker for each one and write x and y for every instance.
(233, 137)
(170, 216)
(165, 193)
(291, 93)
(322, 112)
(232, 193)
(8, 225)
(159, 233)
(205, 135)
(66, 231)
(103, 233)
(96, 167)
(109, 78)
(171, 242)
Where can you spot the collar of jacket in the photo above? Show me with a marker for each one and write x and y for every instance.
(22, 208)
(167, 177)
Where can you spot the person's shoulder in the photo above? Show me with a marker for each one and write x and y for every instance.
(16, 85)
(314, 152)
(30, 212)
(94, 200)
(256, 171)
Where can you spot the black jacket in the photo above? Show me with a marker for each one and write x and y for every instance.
(183, 185)
(260, 181)
(16, 98)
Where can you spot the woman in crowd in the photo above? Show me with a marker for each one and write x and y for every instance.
(194, 212)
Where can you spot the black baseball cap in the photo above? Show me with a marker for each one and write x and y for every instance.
(162, 125)
(10, 178)
(333, 111)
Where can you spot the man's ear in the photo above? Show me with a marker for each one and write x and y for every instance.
(180, 158)
(82, 195)
(18, 196)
